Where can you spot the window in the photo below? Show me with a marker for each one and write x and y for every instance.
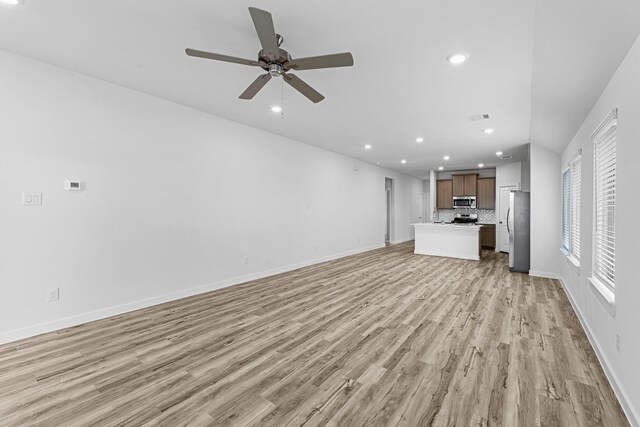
(575, 202)
(571, 199)
(566, 185)
(604, 203)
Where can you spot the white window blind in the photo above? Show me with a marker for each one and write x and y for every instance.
(575, 202)
(604, 198)
(566, 186)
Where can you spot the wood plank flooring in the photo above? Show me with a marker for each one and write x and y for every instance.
(381, 338)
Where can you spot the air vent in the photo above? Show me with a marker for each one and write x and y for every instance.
(476, 117)
(506, 157)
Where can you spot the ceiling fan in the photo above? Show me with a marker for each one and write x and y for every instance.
(276, 61)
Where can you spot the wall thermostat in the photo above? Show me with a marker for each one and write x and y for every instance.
(73, 185)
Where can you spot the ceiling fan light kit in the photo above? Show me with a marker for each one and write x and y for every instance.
(276, 61)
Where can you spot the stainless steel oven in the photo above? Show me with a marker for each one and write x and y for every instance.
(464, 202)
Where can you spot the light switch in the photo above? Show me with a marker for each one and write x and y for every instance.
(32, 199)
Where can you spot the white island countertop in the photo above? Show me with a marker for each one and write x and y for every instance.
(446, 225)
(450, 240)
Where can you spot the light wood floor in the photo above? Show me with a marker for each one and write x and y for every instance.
(382, 338)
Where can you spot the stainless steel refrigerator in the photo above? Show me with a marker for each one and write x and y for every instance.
(519, 231)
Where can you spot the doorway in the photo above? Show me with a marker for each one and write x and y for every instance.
(503, 209)
(423, 207)
(388, 187)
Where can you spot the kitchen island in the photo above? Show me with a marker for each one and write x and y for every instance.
(449, 240)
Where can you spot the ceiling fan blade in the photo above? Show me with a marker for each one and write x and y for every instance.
(299, 85)
(325, 61)
(225, 58)
(263, 22)
(255, 87)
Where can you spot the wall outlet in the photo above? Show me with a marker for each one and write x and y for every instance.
(618, 342)
(53, 294)
(315, 248)
(245, 260)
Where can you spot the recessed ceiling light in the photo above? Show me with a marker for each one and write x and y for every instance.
(419, 139)
(367, 147)
(480, 165)
(403, 161)
(488, 131)
(12, 2)
(446, 157)
(377, 163)
(498, 153)
(440, 168)
(276, 108)
(457, 58)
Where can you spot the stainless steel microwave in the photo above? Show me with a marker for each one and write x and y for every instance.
(464, 202)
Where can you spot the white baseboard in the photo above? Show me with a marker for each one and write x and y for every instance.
(41, 328)
(625, 402)
(544, 274)
(406, 239)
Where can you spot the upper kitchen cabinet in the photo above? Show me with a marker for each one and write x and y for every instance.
(458, 185)
(444, 194)
(465, 185)
(486, 197)
(470, 182)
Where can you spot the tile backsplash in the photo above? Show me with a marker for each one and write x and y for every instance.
(485, 216)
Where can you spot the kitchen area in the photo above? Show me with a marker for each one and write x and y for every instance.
(473, 210)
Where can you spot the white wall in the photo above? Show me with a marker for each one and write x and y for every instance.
(505, 176)
(175, 198)
(508, 175)
(601, 320)
(525, 172)
(545, 211)
(406, 193)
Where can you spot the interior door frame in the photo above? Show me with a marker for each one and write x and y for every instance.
(389, 210)
(513, 187)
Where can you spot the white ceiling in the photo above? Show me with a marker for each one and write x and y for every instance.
(578, 45)
(535, 67)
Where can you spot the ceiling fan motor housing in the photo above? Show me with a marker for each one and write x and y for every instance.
(281, 59)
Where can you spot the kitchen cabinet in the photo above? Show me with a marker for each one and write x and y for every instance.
(470, 182)
(488, 236)
(486, 197)
(458, 185)
(448, 240)
(444, 194)
(464, 185)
